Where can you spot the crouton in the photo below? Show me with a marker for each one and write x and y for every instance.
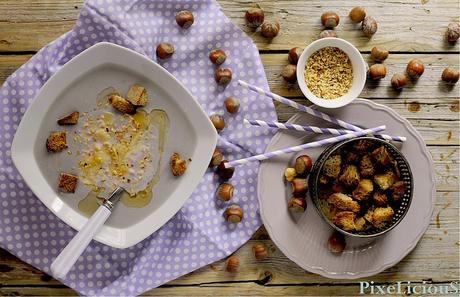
(137, 95)
(351, 157)
(121, 104)
(67, 182)
(337, 187)
(343, 202)
(332, 165)
(363, 190)
(381, 155)
(397, 190)
(350, 176)
(386, 180)
(366, 167)
(360, 224)
(70, 119)
(56, 141)
(178, 165)
(380, 198)
(345, 220)
(362, 145)
(381, 216)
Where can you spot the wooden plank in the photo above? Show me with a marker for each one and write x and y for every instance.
(420, 25)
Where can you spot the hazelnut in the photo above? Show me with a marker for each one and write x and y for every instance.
(233, 214)
(453, 32)
(297, 204)
(330, 19)
(218, 122)
(165, 50)
(290, 174)
(299, 186)
(379, 54)
(450, 75)
(232, 264)
(216, 158)
(357, 14)
(290, 73)
(223, 76)
(254, 16)
(327, 33)
(225, 191)
(294, 55)
(217, 56)
(270, 29)
(232, 105)
(398, 81)
(377, 71)
(184, 18)
(303, 165)
(223, 172)
(336, 242)
(260, 251)
(369, 26)
(415, 68)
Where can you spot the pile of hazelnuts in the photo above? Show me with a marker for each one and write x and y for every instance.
(255, 17)
(297, 177)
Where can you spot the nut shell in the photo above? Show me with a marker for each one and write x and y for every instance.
(453, 32)
(299, 186)
(415, 68)
(450, 75)
(330, 19)
(260, 251)
(164, 50)
(270, 29)
(369, 26)
(233, 214)
(254, 16)
(218, 122)
(289, 73)
(327, 33)
(223, 172)
(398, 81)
(216, 158)
(336, 243)
(297, 204)
(184, 18)
(294, 55)
(290, 174)
(357, 14)
(217, 56)
(303, 165)
(377, 71)
(225, 191)
(379, 54)
(232, 105)
(232, 264)
(223, 76)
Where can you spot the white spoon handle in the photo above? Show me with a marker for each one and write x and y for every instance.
(70, 254)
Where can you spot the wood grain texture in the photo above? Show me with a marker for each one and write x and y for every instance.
(408, 28)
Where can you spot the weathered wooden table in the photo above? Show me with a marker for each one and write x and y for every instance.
(408, 28)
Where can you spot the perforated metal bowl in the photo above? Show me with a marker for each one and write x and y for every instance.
(400, 208)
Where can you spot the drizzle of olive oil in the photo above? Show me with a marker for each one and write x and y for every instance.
(89, 204)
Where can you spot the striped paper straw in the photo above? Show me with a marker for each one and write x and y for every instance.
(314, 112)
(301, 147)
(287, 126)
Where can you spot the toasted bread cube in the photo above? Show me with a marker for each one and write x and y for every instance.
(350, 176)
(386, 180)
(362, 145)
(366, 167)
(363, 190)
(332, 165)
(121, 104)
(137, 95)
(360, 224)
(67, 182)
(178, 165)
(380, 198)
(70, 119)
(381, 216)
(397, 190)
(381, 155)
(345, 220)
(56, 141)
(343, 202)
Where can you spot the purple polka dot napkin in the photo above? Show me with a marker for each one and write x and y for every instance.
(197, 235)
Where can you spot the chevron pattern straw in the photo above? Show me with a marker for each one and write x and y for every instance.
(301, 147)
(314, 112)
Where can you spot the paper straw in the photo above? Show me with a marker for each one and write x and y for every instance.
(314, 112)
(301, 147)
(287, 126)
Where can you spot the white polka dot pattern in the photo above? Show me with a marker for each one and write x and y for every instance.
(197, 235)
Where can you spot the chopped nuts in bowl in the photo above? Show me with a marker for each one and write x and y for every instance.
(331, 72)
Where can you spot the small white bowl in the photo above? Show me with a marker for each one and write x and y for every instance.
(357, 62)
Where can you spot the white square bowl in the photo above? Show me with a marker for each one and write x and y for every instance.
(75, 87)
